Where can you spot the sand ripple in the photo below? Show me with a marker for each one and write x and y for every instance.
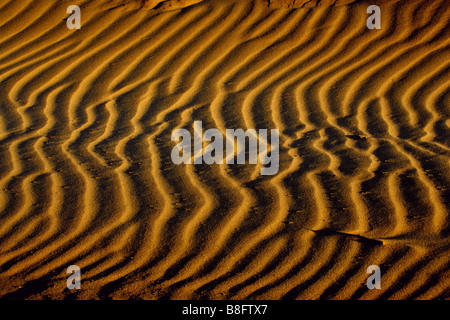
(86, 176)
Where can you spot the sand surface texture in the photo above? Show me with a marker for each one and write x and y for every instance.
(86, 176)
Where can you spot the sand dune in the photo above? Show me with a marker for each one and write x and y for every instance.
(309, 3)
(86, 176)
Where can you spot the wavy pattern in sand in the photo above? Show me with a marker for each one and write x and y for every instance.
(86, 176)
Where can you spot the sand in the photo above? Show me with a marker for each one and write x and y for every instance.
(86, 176)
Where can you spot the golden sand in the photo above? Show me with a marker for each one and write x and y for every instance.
(86, 177)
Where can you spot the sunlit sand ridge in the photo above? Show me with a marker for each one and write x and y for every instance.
(86, 175)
